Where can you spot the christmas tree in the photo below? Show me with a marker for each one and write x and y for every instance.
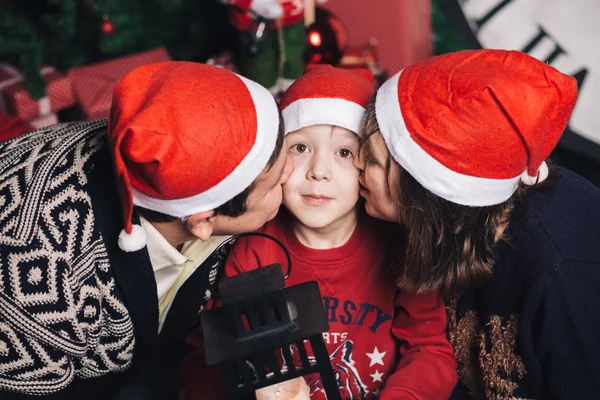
(67, 33)
(447, 37)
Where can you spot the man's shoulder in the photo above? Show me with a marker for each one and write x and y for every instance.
(54, 257)
(45, 173)
(52, 149)
(81, 131)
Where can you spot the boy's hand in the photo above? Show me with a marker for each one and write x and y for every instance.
(294, 389)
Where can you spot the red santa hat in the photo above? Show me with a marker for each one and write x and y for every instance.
(186, 138)
(470, 125)
(327, 95)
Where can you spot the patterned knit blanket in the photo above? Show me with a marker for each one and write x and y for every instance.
(61, 316)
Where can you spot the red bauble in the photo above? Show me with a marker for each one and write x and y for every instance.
(326, 39)
(107, 28)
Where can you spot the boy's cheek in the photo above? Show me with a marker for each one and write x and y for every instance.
(298, 161)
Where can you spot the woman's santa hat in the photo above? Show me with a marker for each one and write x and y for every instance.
(470, 125)
(186, 138)
(329, 96)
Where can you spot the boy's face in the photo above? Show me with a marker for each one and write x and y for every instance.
(323, 188)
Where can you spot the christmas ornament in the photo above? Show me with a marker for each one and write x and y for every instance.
(253, 38)
(326, 39)
(272, 39)
(107, 27)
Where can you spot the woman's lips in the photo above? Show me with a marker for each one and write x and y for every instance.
(316, 200)
(363, 191)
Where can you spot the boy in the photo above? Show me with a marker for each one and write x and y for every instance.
(332, 242)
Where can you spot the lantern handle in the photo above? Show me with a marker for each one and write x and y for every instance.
(212, 289)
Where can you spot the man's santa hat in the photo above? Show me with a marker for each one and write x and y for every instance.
(329, 96)
(186, 138)
(470, 125)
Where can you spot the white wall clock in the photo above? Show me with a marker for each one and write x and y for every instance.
(563, 33)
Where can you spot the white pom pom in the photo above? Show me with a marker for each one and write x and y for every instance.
(541, 175)
(134, 241)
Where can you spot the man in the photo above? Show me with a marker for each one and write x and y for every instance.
(101, 278)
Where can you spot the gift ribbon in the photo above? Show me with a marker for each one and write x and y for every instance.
(44, 104)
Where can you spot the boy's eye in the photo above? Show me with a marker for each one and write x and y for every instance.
(299, 148)
(345, 153)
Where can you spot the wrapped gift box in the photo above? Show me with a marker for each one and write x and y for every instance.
(224, 60)
(16, 101)
(94, 84)
(11, 127)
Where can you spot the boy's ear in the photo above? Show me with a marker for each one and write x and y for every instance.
(201, 224)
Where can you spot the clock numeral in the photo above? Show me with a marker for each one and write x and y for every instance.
(556, 51)
(580, 77)
(483, 20)
(538, 39)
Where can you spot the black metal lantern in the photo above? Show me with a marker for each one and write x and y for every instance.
(261, 318)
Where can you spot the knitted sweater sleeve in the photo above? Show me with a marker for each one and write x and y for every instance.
(60, 314)
(427, 368)
(561, 345)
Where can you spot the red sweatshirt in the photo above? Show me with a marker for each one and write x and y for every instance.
(374, 350)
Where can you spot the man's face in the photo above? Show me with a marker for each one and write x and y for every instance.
(263, 202)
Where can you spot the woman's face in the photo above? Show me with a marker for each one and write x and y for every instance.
(379, 189)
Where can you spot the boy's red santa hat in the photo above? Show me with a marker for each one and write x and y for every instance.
(329, 96)
(470, 125)
(186, 138)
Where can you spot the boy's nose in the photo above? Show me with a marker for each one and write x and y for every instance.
(320, 168)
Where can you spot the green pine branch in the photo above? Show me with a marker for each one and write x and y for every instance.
(67, 33)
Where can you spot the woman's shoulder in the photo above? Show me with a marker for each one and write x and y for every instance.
(564, 216)
(558, 225)
(567, 197)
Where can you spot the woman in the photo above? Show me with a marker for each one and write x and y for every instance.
(455, 150)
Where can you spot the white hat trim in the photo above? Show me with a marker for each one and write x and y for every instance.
(241, 177)
(434, 176)
(327, 111)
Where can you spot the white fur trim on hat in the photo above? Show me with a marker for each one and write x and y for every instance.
(429, 172)
(134, 241)
(327, 111)
(241, 177)
(539, 178)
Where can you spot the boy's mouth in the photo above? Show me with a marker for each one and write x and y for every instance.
(316, 199)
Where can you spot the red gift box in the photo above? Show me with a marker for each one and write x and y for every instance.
(94, 84)
(224, 60)
(11, 127)
(16, 101)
